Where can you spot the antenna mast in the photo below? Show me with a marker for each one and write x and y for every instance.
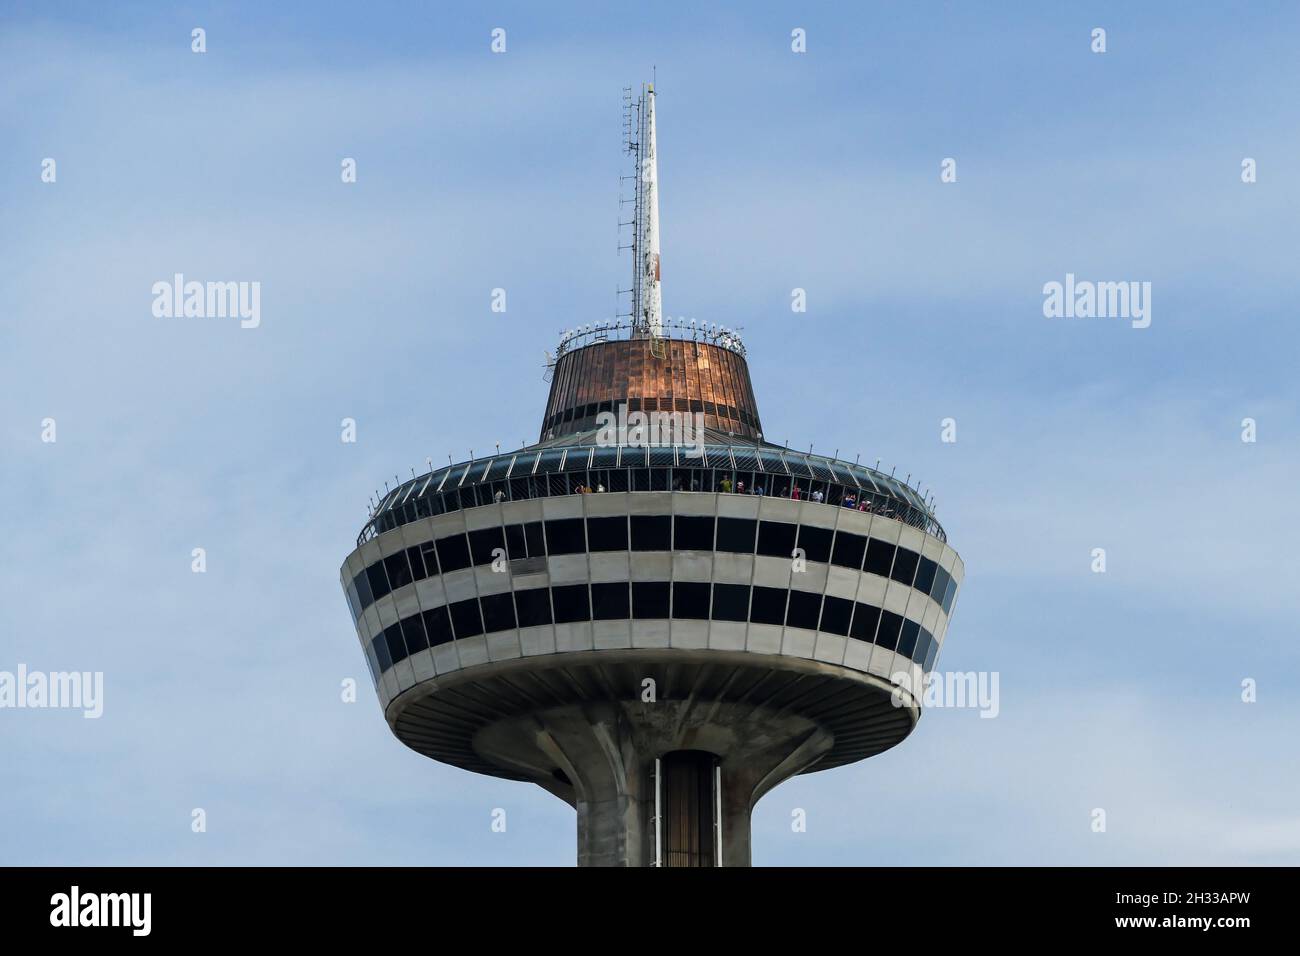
(639, 143)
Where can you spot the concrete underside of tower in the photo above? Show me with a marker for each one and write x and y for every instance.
(591, 729)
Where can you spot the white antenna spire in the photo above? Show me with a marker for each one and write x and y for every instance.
(651, 317)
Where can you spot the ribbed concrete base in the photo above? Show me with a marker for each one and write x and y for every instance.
(606, 755)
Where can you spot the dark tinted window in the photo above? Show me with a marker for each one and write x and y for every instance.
(816, 543)
(565, 536)
(865, 619)
(515, 546)
(607, 534)
(498, 612)
(438, 626)
(890, 624)
(483, 542)
(776, 539)
(379, 580)
(465, 618)
(737, 534)
(652, 532)
(923, 646)
(907, 642)
(948, 595)
(429, 554)
(572, 603)
(362, 583)
(690, 599)
(925, 572)
(879, 557)
(692, 533)
(534, 607)
(649, 599)
(904, 566)
(453, 553)
(533, 538)
(730, 602)
(609, 602)
(396, 646)
(418, 571)
(413, 631)
(769, 606)
(848, 551)
(803, 610)
(380, 647)
(940, 585)
(399, 571)
(835, 615)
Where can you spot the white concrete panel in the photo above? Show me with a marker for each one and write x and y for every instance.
(504, 645)
(797, 642)
(534, 641)
(732, 568)
(422, 665)
(527, 582)
(692, 565)
(370, 552)
(830, 647)
(727, 635)
(446, 658)
(650, 634)
(695, 504)
(388, 687)
(488, 516)
(568, 568)
(932, 549)
(812, 578)
(930, 620)
(857, 655)
(911, 538)
(405, 601)
(871, 589)
(473, 651)
(958, 569)
(405, 674)
(370, 620)
(896, 596)
(689, 634)
(650, 503)
(886, 529)
(387, 612)
(459, 585)
(916, 607)
(573, 637)
(445, 525)
(607, 566)
(562, 506)
(842, 583)
(430, 593)
(492, 582)
(816, 515)
(651, 565)
(882, 663)
(854, 522)
(522, 512)
(779, 509)
(607, 504)
(738, 506)
(772, 572)
(764, 639)
(612, 634)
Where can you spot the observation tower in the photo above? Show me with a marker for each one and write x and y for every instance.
(652, 613)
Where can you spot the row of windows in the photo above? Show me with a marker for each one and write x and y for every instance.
(694, 405)
(561, 536)
(475, 493)
(651, 600)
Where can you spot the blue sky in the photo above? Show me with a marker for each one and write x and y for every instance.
(818, 171)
